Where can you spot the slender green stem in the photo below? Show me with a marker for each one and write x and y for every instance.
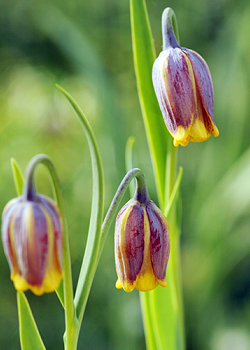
(174, 195)
(169, 26)
(134, 173)
(175, 239)
(129, 161)
(70, 321)
(141, 183)
(162, 308)
(148, 321)
(171, 166)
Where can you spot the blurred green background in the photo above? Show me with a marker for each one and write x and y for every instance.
(85, 46)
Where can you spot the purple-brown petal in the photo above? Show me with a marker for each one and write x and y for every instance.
(31, 243)
(203, 81)
(161, 95)
(129, 234)
(180, 88)
(159, 240)
(57, 225)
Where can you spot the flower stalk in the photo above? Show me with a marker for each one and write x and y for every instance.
(161, 307)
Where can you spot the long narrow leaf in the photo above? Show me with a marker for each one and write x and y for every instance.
(29, 335)
(18, 176)
(91, 255)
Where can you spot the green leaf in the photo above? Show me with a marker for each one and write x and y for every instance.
(60, 294)
(148, 321)
(18, 176)
(92, 251)
(164, 323)
(29, 335)
(174, 194)
(144, 56)
(167, 303)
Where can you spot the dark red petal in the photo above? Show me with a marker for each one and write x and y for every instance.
(49, 206)
(159, 241)
(161, 94)
(203, 81)
(130, 248)
(180, 89)
(120, 268)
(32, 252)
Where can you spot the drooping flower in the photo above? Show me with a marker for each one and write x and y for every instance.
(32, 241)
(184, 89)
(142, 245)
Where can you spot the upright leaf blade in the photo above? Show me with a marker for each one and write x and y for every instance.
(29, 335)
(92, 251)
(18, 176)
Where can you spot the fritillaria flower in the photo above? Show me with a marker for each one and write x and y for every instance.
(32, 241)
(142, 245)
(184, 89)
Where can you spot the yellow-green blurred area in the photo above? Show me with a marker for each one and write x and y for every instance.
(85, 46)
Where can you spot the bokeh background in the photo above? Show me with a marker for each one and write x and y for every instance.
(85, 46)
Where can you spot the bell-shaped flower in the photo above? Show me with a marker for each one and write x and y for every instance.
(184, 89)
(142, 245)
(32, 241)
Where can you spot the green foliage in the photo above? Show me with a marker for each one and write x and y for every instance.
(18, 176)
(29, 335)
(35, 119)
(91, 255)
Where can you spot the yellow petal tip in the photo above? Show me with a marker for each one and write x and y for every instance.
(163, 283)
(215, 131)
(118, 284)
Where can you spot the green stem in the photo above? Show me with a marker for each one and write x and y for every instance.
(97, 234)
(81, 299)
(148, 321)
(129, 160)
(70, 320)
(171, 166)
(169, 24)
(174, 195)
(141, 183)
(175, 264)
(163, 308)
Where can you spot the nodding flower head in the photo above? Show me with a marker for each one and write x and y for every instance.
(32, 241)
(142, 245)
(184, 89)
